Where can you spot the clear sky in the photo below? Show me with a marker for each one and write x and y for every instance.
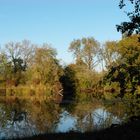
(58, 22)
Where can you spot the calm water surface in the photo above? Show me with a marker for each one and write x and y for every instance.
(26, 117)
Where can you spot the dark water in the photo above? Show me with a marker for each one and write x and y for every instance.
(27, 117)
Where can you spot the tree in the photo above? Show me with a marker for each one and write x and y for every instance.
(76, 48)
(132, 26)
(109, 53)
(69, 82)
(90, 52)
(127, 71)
(85, 51)
(5, 69)
(22, 51)
(18, 55)
(45, 69)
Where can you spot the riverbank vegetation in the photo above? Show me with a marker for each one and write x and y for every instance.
(28, 69)
(103, 76)
(104, 71)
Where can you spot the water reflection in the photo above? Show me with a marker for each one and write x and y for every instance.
(104, 119)
(20, 117)
(66, 123)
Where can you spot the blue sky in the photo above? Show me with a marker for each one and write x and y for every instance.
(58, 22)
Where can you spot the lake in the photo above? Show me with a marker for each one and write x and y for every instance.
(31, 116)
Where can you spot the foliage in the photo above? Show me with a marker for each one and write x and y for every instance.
(45, 69)
(85, 50)
(69, 82)
(23, 63)
(78, 81)
(109, 53)
(14, 60)
(127, 72)
(35, 67)
(132, 26)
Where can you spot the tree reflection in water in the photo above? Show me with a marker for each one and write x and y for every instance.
(22, 118)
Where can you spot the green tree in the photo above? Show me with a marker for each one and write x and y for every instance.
(109, 53)
(76, 48)
(19, 55)
(133, 25)
(69, 82)
(85, 51)
(90, 52)
(127, 71)
(45, 69)
(5, 69)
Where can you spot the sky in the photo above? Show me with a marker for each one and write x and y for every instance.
(58, 22)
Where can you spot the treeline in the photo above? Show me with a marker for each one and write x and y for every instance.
(28, 66)
(124, 72)
(30, 69)
(105, 70)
